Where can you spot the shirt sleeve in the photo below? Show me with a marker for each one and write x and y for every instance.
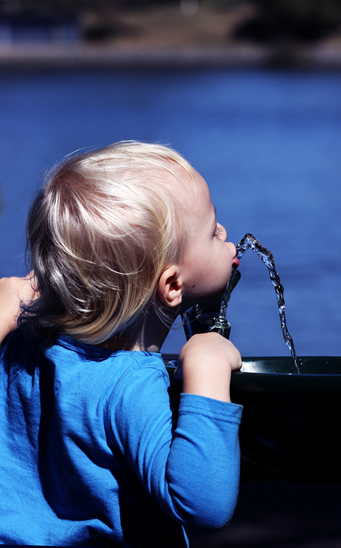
(189, 464)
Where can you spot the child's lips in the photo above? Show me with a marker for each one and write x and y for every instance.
(235, 262)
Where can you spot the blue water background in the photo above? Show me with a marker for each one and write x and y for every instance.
(267, 142)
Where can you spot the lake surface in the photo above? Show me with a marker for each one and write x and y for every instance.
(267, 142)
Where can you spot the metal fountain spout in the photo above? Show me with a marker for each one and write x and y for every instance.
(221, 325)
(211, 315)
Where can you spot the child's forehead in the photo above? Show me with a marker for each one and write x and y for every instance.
(178, 179)
(192, 194)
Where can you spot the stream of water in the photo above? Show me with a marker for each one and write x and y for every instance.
(250, 242)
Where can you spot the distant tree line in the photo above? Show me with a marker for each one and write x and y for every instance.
(73, 5)
(301, 20)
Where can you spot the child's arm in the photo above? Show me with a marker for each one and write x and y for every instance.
(205, 364)
(189, 462)
(13, 291)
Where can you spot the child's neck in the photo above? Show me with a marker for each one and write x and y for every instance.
(148, 334)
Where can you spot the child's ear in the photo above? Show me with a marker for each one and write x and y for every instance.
(170, 287)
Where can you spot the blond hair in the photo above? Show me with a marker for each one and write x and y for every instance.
(100, 233)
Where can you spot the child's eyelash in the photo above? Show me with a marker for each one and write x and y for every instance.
(218, 230)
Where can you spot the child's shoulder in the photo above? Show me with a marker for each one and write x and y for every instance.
(86, 352)
(98, 378)
(99, 364)
(82, 372)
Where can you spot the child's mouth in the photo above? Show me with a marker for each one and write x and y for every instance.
(235, 262)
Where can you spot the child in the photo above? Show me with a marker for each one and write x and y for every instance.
(93, 451)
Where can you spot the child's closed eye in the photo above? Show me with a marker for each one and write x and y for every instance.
(219, 230)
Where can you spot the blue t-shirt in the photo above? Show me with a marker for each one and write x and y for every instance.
(93, 450)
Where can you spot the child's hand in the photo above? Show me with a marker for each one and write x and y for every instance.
(205, 364)
(14, 291)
